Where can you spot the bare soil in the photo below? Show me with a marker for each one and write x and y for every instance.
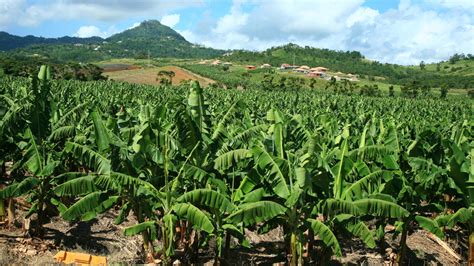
(102, 237)
(118, 67)
(148, 76)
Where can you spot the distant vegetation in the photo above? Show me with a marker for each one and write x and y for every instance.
(351, 62)
(149, 39)
(10, 42)
(27, 67)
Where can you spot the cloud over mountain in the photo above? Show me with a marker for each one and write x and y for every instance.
(430, 30)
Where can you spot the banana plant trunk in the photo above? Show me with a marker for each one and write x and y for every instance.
(403, 243)
(294, 249)
(11, 211)
(309, 245)
(147, 244)
(2, 211)
(227, 245)
(471, 249)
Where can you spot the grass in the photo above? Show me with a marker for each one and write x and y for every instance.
(461, 67)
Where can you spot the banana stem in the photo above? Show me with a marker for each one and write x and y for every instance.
(471, 249)
(293, 247)
(11, 211)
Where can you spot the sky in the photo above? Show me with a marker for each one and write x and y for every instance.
(389, 31)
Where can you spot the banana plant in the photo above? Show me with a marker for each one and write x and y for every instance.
(42, 157)
(418, 182)
(457, 177)
(120, 173)
(294, 177)
(225, 217)
(14, 109)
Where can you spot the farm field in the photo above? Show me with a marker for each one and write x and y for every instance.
(237, 133)
(148, 75)
(237, 75)
(260, 175)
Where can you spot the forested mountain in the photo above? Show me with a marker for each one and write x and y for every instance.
(9, 42)
(150, 38)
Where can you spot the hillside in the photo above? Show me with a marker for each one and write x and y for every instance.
(149, 39)
(351, 62)
(464, 67)
(9, 42)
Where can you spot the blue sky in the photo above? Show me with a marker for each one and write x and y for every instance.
(399, 31)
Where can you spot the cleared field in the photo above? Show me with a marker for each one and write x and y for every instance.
(148, 76)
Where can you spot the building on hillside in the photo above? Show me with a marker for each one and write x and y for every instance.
(288, 67)
(265, 66)
(304, 67)
(301, 70)
(319, 69)
(250, 67)
(316, 74)
(227, 64)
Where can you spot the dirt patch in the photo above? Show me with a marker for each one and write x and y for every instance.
(97, 237)
(118, 67)
(148, 76)
(102, 237)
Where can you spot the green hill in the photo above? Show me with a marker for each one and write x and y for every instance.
(355, 63)
(150, 38)
(149, 30)
(9, 42)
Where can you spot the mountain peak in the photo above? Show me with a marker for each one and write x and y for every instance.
(148, 29)
(151, 22)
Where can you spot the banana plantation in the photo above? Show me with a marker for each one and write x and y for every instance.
(195, 166)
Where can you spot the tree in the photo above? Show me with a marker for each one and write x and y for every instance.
(470, 93)
(425, 90)
(312, 83)
(391, 92)
(438, 67)
(165, 73)
(422, 65)
(444, 91)
(267, 83)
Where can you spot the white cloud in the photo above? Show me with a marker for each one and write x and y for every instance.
(103, 10)
(411, 34)
(363, 14)
(170, 20)
(431, 30)
(10, 10)
(89, 31)
(136, 24)
(92, 31)
(453, 4)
